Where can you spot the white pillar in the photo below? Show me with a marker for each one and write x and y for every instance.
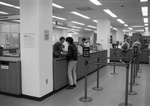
(103, 34)
(120, 35)
(36, 47)
(113, 33)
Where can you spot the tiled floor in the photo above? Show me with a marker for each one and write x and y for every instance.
(113, 92)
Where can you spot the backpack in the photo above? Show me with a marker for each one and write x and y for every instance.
(124, 47)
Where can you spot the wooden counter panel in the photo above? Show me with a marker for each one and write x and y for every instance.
(10, 79)
(60, 67)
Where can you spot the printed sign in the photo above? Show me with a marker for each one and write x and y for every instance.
(46, 33)
(29, 40)
(86, 52)
(4, 67)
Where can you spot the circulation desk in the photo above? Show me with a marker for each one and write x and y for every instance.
(60, 65)
(10, 75)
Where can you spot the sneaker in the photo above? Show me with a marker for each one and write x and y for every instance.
(70, 87)
(74, 85)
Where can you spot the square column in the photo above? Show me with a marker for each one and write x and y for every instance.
(120, 35)
(36, 47)
(103, 34)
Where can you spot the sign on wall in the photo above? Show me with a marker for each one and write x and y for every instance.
(29, 40)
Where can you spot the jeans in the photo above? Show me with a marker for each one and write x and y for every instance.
(72, 72)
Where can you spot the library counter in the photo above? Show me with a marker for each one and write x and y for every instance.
(60, 65)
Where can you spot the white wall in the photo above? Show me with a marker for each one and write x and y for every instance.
(86, 34)
(120, 35)
(113, 33)
(57, 33)
(146, 33)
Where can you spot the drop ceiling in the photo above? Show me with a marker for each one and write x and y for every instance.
(127, 10)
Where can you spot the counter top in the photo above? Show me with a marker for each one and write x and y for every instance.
(12, 59)
(60, 58)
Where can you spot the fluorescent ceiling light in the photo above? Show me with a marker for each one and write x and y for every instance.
(83, 16)
(143, 0)
(91, 26)
(114, 28)
(1, 12)
(125, 25)
(59, 18)
(96, 2)
(138, 26)
(87, 29)
(62, 27)
(146, 24)
(94, 20)
(130, 28)
(140, 30)
(77, 22)
(146, 28)
(110, 13)
(119, 20)
(145, 20)
(10, 5)
(57, 6)
(76, 27)
(144, 11)
(16, 20)
(126, 30)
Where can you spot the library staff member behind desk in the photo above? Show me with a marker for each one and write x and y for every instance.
(58, 48)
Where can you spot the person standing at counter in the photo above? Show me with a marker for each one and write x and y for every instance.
(72, 57)
(124, 49)
(58, 47)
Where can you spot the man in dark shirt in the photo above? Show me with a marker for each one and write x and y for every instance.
(58, 47)
(72, 57)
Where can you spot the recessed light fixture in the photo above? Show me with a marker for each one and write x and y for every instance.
(59, 18)
(10, 5)
(146, 28)
(119, 20)
(91, 26)
(57, 6)
(78, 14)
(144, 11)
(95, 21)
(140, 30)
(96, 2)
(125, 25)
(77, 22)
(16, 20)
(62, 27)
(143, 0)
(130, 28)
(1, 12)
(138, 26)
(145, 20)
(110, 13)
(87, 29)
(76, 27)
(146, 24)
(114, 28)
